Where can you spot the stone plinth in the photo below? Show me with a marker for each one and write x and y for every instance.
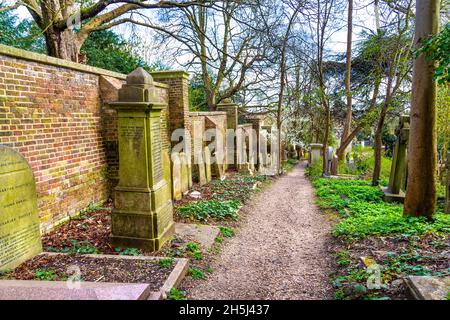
(143, 214)
(20, 237)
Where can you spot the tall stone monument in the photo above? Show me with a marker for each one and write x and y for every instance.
(397, 179)
(20, 237)
(143, 211)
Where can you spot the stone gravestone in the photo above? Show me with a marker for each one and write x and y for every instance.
(201, 170)
(447, 192)
(184, 172)
(176, 176)
(207, 158)
(20, 237)
(397, 179)
(315, 152)
(143, 212)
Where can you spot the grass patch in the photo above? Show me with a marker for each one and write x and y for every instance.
(81, 247)
(193, 250)
(166, 263)
(202, 210)
(289, 164)
(226, 231)
(364, 162)
(196, 273)
(48, 275)
(364, 213)
(176, 294)
(369, 227)
(237, 189)
(128, 251)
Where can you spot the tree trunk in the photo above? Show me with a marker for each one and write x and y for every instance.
(325, 139)
(63, 44)
(379, 130)
(378, 146)
(348, 93)
(422, 152)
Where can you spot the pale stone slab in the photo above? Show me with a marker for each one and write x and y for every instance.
(207, 160)
(201, 171)
(428, 287)
(20, 237)
(315, 152)
(60, 290)
(185, 176)
(176, 176)
(205, 235)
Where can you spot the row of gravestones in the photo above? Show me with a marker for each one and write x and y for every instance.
(182, 171)
(142, 216)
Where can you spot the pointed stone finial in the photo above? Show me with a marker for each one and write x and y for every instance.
(139, 77)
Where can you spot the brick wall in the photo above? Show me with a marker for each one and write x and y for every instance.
(52, 113)
(178, 96)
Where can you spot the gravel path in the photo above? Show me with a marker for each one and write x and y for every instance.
(280, 252)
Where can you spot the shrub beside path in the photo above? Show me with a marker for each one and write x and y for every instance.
(280, 251)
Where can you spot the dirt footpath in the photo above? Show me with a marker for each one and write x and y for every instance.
(280, 252)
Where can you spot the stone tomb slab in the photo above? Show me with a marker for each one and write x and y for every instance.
(428, 287)
(59, 290)
(85, 290)
(20, 237)
(203, 234)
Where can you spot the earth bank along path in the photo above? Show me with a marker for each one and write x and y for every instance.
(280, 252)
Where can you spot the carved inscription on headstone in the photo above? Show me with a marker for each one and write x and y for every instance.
(157, 149)
(20, 237)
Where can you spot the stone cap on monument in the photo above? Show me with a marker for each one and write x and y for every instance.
(139, 77)
(226, 103)
(138, 92)
(315, 145)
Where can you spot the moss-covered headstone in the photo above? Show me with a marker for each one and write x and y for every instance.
(143, 210)
(397, 179)
(20, 237)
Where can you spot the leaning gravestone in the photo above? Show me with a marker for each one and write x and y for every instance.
(20, 237)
